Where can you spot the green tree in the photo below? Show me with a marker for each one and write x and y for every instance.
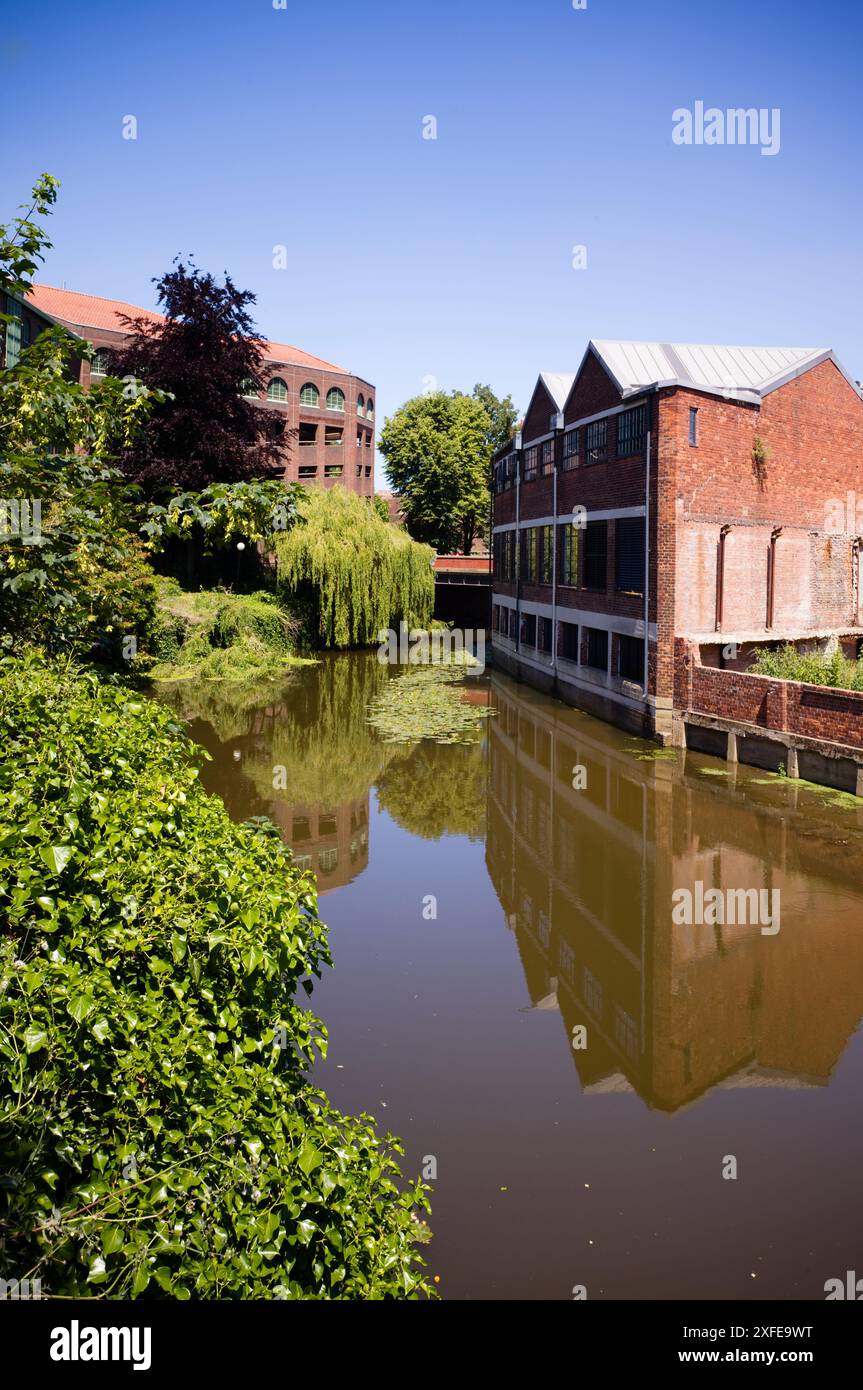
(502, 414)
(437, 451)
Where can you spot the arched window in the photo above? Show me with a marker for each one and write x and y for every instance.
(100, 362)
(310, 395)
(361, 405)
(370, 409)
(249, 389)
(277, 390)
(335, 399)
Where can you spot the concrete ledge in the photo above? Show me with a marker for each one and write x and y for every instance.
(809, 759)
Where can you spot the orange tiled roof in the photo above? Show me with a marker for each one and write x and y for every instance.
(94, 311)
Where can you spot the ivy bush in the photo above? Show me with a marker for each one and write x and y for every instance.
(159, 1133)
(813, 668)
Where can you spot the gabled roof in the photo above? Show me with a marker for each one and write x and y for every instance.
(84, 311)
(558, 385)
(744, 373)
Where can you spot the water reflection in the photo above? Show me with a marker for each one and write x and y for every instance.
(585, 879)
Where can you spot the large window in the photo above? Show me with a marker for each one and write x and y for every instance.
(548, 456)
(569, 555)
(333, 436)
(531, 462)
(528, 630)
(597, 648)
(570, 449)
(596, 442)
(310, 395)
(630, 659)
(629, 555)
(308, 435)
(567, 641)
(543, 634)
(370, 409)
(277, 390)
(16, 332)
(529, 555)
(99, 362)
(595, 554)
(630, 432)
(546, 552)
(361, 405)
(335, 399)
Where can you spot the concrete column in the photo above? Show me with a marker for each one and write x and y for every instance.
(791, 763)
(731, 751)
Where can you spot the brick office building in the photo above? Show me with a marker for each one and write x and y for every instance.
(667, 491)
(330, 412)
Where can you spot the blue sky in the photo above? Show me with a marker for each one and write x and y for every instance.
(451, 259)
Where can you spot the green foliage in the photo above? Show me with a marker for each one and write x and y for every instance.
(77, 580)
(788, 664)
(351, 574)
(224, 512)
(23, 241)
(380, 506)
(155, 1136)
(220, 636)
(438, 451)
(429, 702)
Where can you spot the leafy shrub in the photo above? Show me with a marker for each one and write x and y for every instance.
(220, 636)
(787, 663)
(156, 1137)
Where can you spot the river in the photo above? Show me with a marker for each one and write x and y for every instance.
(511, 996)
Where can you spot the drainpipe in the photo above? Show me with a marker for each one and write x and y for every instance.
(517, 556)
(646, 566)
(553, 654)
(720, 577)
(771, 574)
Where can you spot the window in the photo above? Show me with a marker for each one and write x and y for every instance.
(630, 659)
(370, 409)
(630, 432)
(277, 390)
(548, 456)
(629, 555)
(99, 362)
(310, 395)
(359, 470)
(546, 554)
(332, 470)
(543, 640)
(249, 389)
(368, 470)
(570, 449)
(327, 860)
(596, 442)
(509, 556)
(530, 463)
(597, 648)
(595, 554)
(567, 642)
(333, 435)
(528, 555)
(361, 405)
(308, 470)
(528, 629)
(569, 555)
(693, 426)
(335, 399)
(308, 436)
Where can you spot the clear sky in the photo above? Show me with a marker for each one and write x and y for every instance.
(452, 259)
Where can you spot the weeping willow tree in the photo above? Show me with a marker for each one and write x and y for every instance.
(351, 574)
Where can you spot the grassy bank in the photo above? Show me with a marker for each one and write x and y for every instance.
(220, 636)
(159, 1132)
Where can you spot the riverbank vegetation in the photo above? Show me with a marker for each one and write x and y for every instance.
(788, 664)
(158, 1129)
(220, 636)
(348, 574)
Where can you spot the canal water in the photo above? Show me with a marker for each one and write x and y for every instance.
(511, 996)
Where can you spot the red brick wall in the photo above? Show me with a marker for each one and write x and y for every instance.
(811, 711)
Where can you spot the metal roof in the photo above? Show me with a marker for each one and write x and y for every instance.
(747, 373)
(558, 385)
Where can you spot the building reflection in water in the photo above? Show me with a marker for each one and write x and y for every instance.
(585, 878)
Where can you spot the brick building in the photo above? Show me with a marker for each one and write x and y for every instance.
(668, 491)
(330, 412)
